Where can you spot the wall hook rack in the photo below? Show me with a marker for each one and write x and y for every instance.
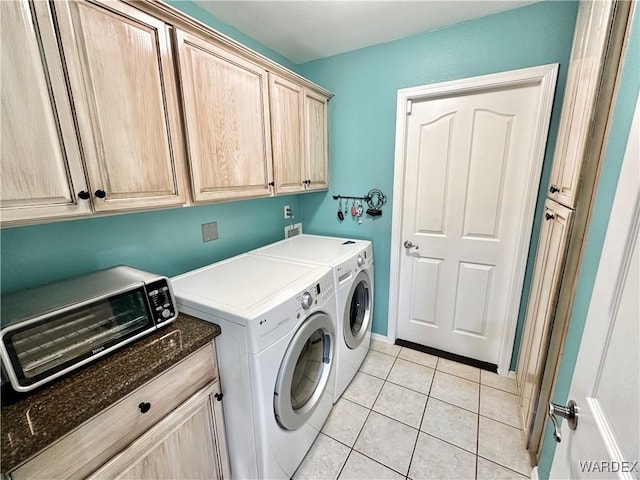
(375, 200)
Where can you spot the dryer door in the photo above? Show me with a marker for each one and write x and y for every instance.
(358, 309)
(304, 372)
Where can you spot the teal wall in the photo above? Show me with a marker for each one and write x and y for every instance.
(616, 145)
(166, 242)
(362, 113)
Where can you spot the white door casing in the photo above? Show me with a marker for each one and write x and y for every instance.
(606, 378)
(467, 166)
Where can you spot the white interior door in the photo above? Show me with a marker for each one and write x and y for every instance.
(472, 163)
(605, 382)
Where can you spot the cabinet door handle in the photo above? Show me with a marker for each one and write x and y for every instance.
(144, 407)
(100, 193)
(549, 216)
(219, 396)
(554, 189)
(83, 195)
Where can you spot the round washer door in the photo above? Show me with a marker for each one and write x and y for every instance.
(357, 314)
(304, 372)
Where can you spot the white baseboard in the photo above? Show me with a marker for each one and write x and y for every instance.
(534, 473)
(381, 338)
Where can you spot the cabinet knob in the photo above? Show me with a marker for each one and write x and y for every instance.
(549, 216)
(100, 193)
(272, 184)
(144, 407)
(219, 396)
(554, 189)
(83, 195)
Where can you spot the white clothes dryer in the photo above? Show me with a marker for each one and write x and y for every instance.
(275, 355)
(352, 265)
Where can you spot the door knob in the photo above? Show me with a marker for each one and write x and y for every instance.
(409, 245)
(570, 412)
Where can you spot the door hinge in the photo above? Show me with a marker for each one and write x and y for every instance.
(409, 104)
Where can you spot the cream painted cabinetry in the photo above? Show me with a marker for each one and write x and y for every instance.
(170, 427)
(183, 445)
(593, 28)
(122, 79)
(299, 137)
(226, 111)
(40, 160)
(547, 275)
(97, 133)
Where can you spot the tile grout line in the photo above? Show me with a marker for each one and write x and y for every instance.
(478, 427)
(415, 445)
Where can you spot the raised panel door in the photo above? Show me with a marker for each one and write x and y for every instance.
(583, 83)
(184, 445)
(40, 159)
(317, 155)
(287, 135)
(226, 112)
(545, 285)
(122, 78)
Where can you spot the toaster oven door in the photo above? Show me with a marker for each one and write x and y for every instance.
(49, 346)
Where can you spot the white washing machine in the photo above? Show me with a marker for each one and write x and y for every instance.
(275, 355)
(352, 265)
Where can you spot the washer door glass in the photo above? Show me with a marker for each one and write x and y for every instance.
(304, 372)
(357, 315)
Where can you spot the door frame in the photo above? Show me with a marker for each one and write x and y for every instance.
(545, 76)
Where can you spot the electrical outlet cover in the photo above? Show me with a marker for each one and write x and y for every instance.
(209, 231)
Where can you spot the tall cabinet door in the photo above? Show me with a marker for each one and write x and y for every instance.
(40, 162)
(317, 154)
(545, 285)
(226, 111)
(123, 83)
(583, 83)
(287, 135)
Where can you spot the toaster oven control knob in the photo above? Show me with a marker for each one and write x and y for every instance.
(166, 313)
(307, 300)
(360, 260)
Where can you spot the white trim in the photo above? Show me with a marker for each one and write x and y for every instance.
(534, 473)
(381, 338)
(546, 76)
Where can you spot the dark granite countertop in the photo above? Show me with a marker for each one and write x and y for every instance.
(36, 421)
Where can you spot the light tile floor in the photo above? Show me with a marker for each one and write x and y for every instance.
(412, 415)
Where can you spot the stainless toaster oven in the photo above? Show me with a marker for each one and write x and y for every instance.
(51, 330)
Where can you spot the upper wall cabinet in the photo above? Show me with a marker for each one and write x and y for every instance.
(299, 137)
(123, 84)
(581, 92)
(41, 165)
(226, 112)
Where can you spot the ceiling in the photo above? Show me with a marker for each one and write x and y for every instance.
(308, 30)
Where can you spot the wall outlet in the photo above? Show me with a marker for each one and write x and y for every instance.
(287, 211)
(209, 231)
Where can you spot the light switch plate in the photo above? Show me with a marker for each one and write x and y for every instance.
(209, 231)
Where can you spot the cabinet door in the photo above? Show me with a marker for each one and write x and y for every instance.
(226, 113)
(123, 83)
(287, 135)
(547, 275)
(188, 443)
(317, 155)
(40, 157)
(587, 55)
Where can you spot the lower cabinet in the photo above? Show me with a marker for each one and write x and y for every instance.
(543, 297)
(185, 444)
(170, 427)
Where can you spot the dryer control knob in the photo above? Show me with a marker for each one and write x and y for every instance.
(360, 260)
(307, 300)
